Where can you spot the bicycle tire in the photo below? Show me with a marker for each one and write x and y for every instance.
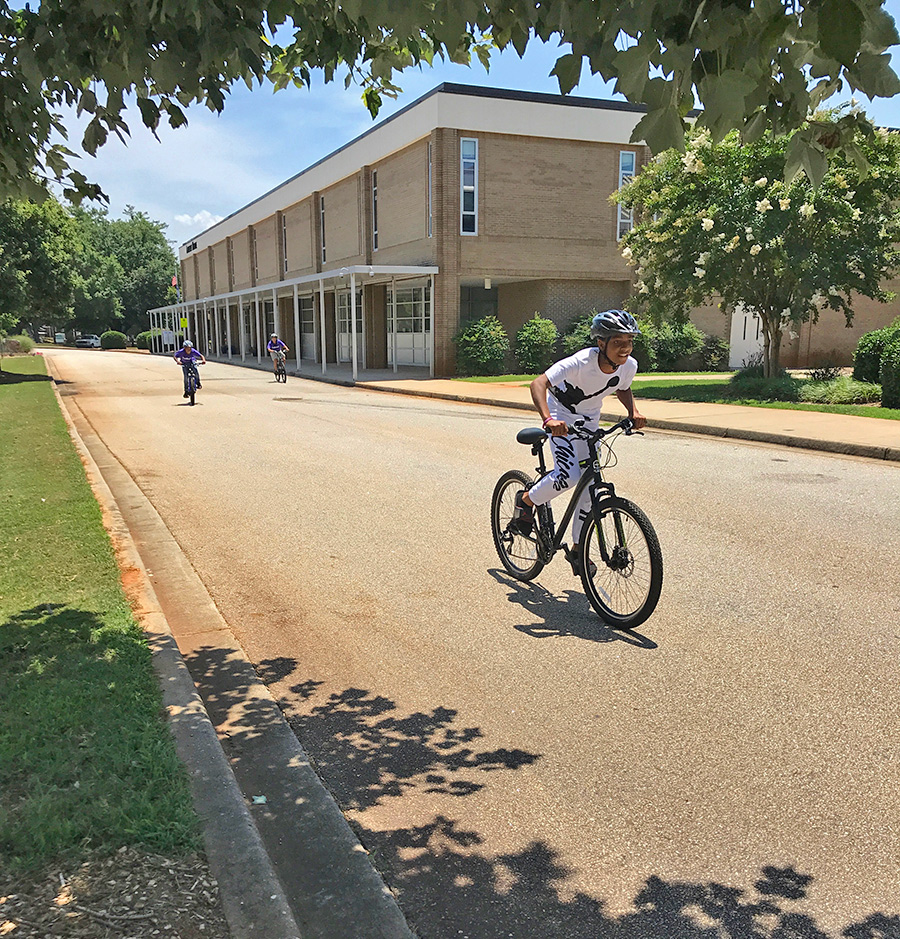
(625, 591)
(518, 553)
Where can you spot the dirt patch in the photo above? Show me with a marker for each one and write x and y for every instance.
(127, 895)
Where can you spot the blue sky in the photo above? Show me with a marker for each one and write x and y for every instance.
(193, 176)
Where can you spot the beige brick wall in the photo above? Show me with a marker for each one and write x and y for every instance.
(241, 252)
(543, 209)
(267, 236)
(343, 229)
(559, 301)
(402, 203)
(201, 271)
(188, 281)
(299, 239)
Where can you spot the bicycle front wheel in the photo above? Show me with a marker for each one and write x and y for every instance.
(518, 552)
(621, 564)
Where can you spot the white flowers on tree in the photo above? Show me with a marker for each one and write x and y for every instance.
(744, 233)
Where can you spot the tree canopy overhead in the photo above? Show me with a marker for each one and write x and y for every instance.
(750, 64)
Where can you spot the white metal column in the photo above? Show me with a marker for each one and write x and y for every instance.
(322, 320)
(353, 354)
(258, 333)
(298, 339)
(394, 322)
(431, 323)
(218, 345)
(228, 327)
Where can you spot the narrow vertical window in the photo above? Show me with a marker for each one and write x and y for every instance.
(429, 217)
(212, 270)
(468, 180)
(626, 174)
(254, 255)
(284, 252)
(374, 210)
(230, 263)
(322, 224)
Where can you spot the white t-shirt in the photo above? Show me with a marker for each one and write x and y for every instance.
(578, 386)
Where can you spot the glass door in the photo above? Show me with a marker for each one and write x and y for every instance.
(344, 344)
(409, 317)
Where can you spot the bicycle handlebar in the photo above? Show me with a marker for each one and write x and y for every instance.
(626, 425)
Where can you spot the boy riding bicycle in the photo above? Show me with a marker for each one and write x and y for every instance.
(188, 357)
(575, 387)
(276, 348)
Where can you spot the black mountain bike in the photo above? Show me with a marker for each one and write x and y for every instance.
(618, 554)
(280, 370)
(191, 380)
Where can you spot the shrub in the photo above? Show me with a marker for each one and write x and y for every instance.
(481, 347)
(869, 349)
(840, 390)
(826, 372)
(113, 339)
(142, 340)
(678, 346)
(20, 343)
(714, 354)
(577, 336)
(890, 373)
(536, 344)
(780, 388)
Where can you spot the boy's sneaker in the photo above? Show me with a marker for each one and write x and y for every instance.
(573, 558)
(523, 516)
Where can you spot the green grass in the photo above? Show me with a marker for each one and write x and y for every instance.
(86, 759)
(487, 379)
(712, 393)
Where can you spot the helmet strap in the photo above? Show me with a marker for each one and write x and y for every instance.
(602, 351)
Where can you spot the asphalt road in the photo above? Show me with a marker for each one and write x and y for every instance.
(515, 768)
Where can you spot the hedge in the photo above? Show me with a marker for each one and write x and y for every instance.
(869, 349)
(890, 373)
(113, 339)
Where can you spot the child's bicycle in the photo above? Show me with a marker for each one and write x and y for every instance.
(618, 554)
(191, 380)
(280, 370)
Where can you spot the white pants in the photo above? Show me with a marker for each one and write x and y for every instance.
(567, 453)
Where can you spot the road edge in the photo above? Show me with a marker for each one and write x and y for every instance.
(252, 896)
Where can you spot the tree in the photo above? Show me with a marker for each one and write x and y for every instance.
(39, 245)
(719, 221)
(750, 64)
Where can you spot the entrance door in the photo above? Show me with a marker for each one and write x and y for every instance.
(307, 329)
(344, 344)
(409, 317)
(746, 337)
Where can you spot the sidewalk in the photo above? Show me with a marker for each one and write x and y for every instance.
(812, 430)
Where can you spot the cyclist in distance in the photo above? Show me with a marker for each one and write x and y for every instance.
(188, 357)
(277, 349)
(573, 388)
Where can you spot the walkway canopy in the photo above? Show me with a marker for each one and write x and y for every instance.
(186, 318)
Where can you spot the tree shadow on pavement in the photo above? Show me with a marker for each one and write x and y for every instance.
(451, 880)
(567, 616)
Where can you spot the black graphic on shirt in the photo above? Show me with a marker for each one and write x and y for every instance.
(570, 396)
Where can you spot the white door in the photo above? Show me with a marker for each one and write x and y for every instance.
(746, 337)
(344, 344)
(409, 317)
(307, 329)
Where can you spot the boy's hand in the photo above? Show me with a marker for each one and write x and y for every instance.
(556, 428)
(639, 420)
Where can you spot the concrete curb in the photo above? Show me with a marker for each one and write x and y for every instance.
(253, 900)
(783, 440)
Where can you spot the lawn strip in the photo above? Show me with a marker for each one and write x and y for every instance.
(86, 759)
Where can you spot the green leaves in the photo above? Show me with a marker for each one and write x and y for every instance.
(567, 71)
(840, 30)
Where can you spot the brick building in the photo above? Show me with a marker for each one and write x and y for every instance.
(466, 202)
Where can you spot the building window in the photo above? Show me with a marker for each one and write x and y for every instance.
(322, 224)
(284, 252)
(468, 185)
(374, 210)
(254, 256)
(212, 270)
(429, 220)
(230, 263)
(626, 174)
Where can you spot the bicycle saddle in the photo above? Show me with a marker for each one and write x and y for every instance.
(531, 435)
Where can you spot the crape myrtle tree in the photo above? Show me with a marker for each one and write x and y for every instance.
(749, 64)
(721, 221)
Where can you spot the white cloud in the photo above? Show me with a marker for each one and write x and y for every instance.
(202, 220)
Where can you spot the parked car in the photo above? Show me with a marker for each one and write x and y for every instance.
(60, 338)
(88, 342)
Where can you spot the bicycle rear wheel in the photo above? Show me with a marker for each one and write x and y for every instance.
(623, 587)
(518, 553)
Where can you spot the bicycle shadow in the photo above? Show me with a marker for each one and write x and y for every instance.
(562, 617)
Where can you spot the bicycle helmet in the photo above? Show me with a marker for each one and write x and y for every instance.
(273, 336)
(188, 344)
(614, 323)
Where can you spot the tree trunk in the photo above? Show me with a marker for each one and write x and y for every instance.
(772, 334)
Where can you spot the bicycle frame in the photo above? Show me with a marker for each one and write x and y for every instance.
(550, 538)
